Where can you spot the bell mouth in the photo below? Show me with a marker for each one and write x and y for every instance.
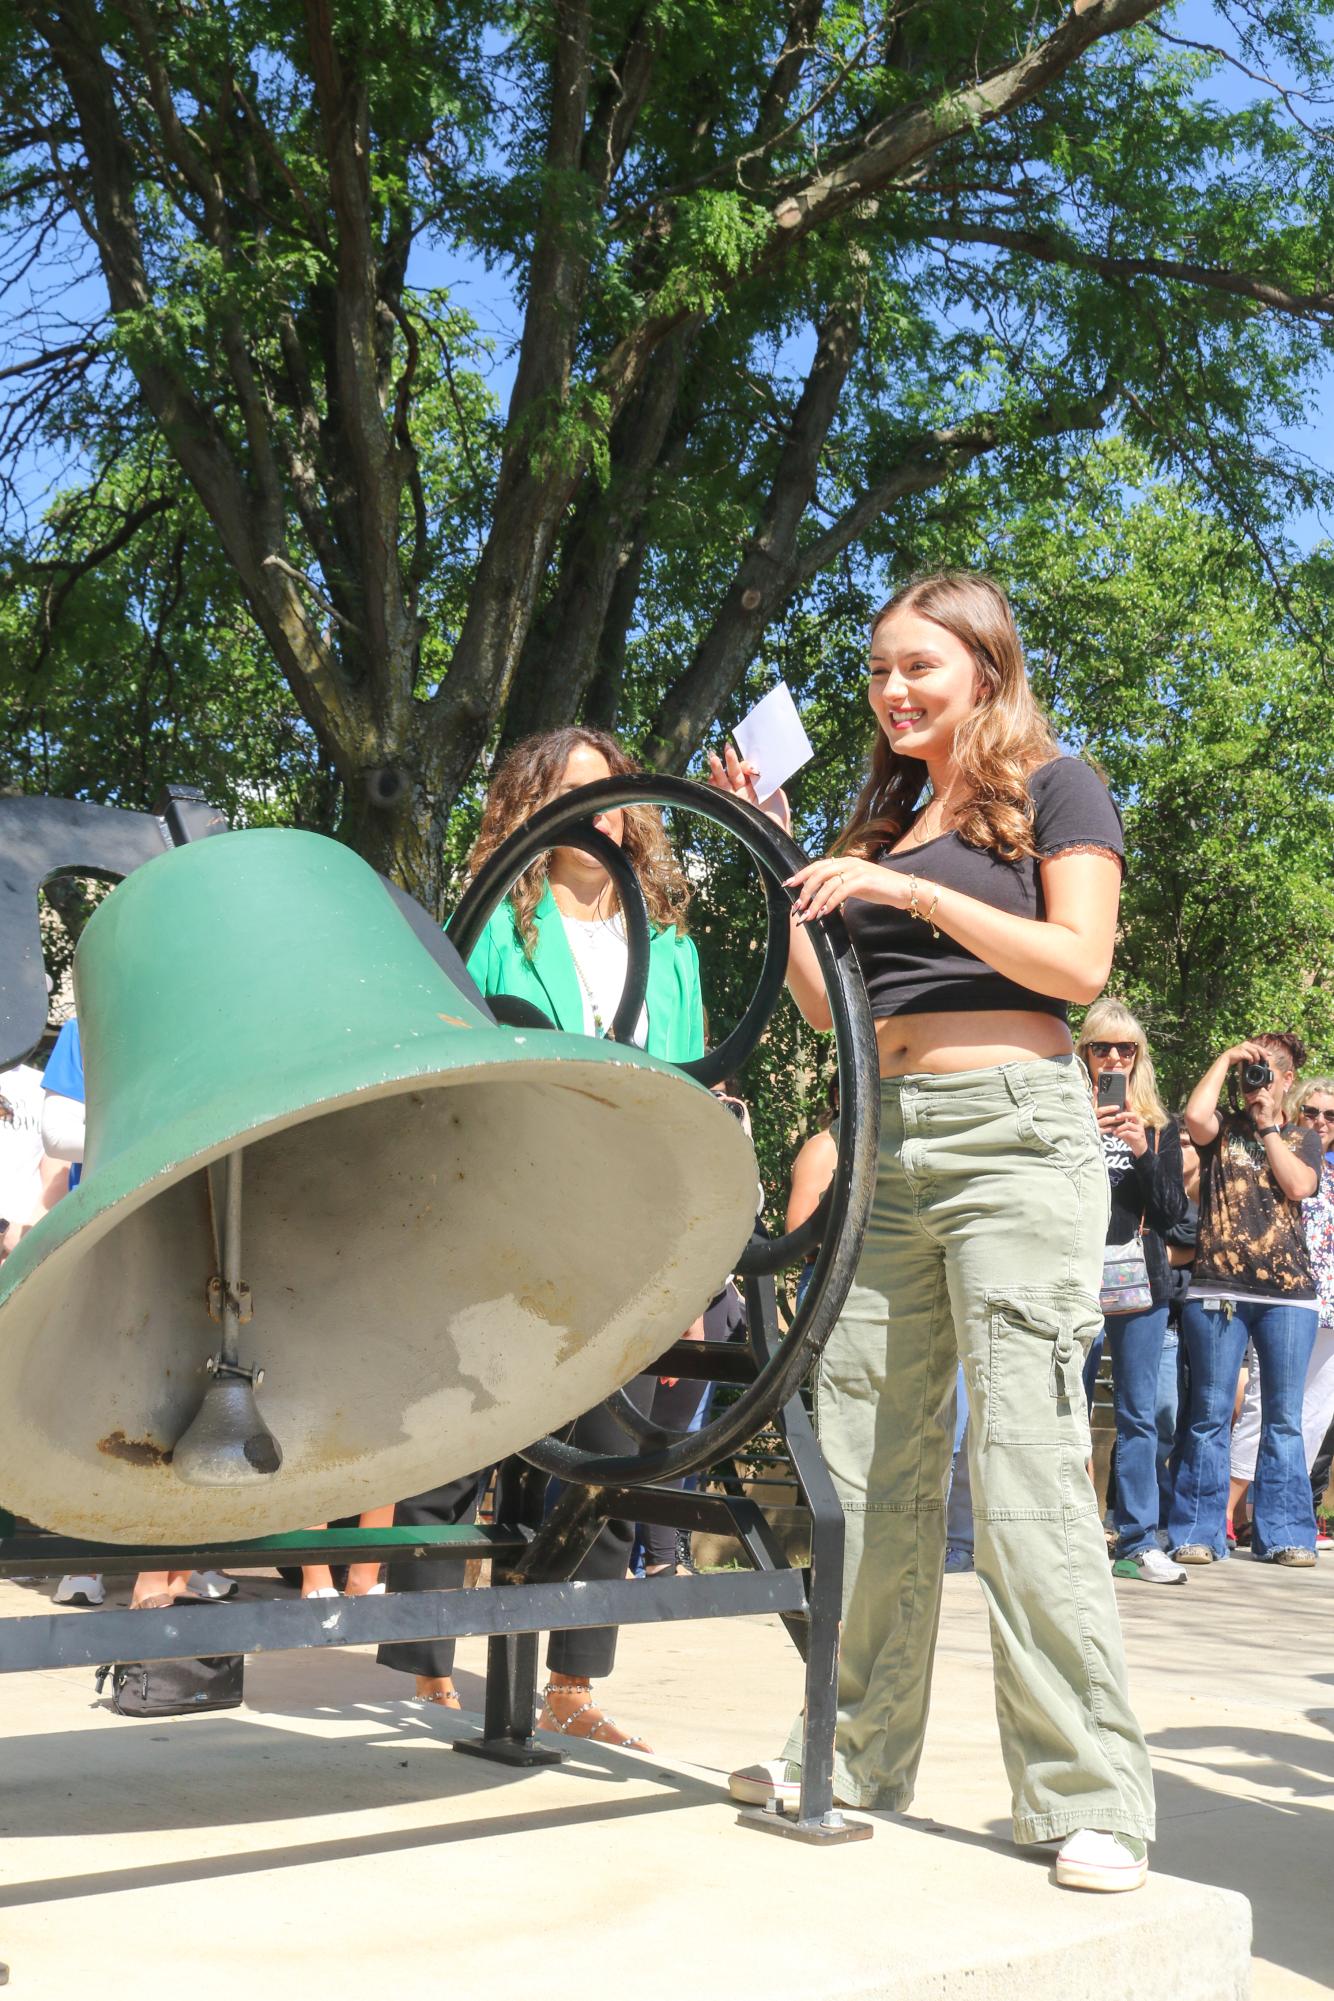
(443, 1269)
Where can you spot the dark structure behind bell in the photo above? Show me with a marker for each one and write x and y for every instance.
(339, 1236)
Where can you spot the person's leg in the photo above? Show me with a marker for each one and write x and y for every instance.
(959, 1501)
(363, 1578)
(1136, 1341)
(431, 1661)
(674, 1408)
(1214, 1343)
(883, 1398)
(1284, 1337)
(1244, 1444)
(578, 1656)
(1021, 1206)
(1318, 1397)
(154, 1590)
(1165, 1419)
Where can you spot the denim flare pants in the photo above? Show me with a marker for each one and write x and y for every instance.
(985, 1245)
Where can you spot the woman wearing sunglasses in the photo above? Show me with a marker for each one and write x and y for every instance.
(1142, 1153)
(1313, 1105)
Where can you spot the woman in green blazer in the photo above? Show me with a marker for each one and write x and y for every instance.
(558, 942)
(558, 938)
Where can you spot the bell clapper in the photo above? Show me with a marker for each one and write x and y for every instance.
(227, 1443)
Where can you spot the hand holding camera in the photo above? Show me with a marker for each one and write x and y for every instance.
(1258, 1084)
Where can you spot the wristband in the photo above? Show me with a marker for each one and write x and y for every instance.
(1263, 1132)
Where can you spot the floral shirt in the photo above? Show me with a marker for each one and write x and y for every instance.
(1318, 1216)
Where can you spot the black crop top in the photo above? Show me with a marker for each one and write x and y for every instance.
(907, 971)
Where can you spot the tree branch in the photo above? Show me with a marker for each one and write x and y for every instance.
(761, 585)
(732, 641)
(1051, 247)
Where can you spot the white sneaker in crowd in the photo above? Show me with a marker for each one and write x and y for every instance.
(80, 1591)
(211, 1584)
(773, 1783)
(957, 1559)
(1151, 1566)
(1092, 1861)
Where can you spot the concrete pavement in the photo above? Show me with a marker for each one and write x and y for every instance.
(325, 1836)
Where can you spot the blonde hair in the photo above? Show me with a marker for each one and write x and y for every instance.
(997, 748)
(1111, 1021)
(1304, 1088)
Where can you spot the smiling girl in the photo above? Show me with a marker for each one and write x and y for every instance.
(979, 877)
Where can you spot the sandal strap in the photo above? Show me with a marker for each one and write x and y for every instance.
(605, 1721)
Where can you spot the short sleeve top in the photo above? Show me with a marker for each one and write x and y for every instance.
(907, 971)
(1252, 1238)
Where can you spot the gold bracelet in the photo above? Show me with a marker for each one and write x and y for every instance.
(931, 913)
(913, 911)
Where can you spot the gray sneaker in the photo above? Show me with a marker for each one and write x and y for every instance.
(1193, 1552)
(1293, 1559)
(1150, 1566)
(957, 1559)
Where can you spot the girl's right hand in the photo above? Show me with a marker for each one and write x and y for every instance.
(738, 778)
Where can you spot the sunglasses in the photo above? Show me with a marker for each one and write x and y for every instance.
(1314, 1114)
(1130, 1050)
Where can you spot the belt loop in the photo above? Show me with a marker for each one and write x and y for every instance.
(1017, 1084)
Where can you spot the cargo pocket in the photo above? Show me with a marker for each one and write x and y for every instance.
(1036, 1344)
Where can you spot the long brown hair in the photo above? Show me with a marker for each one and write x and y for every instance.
(529, 777)
(997, 749)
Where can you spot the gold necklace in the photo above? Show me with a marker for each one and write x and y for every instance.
(920, 840)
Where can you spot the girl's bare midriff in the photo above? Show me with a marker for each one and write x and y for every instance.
(938, 1044)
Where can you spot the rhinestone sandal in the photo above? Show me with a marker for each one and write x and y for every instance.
(548, 1720)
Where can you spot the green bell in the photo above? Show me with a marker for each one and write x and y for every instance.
(339, 1237)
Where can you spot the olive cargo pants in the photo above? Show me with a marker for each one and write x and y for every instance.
(985, 1240)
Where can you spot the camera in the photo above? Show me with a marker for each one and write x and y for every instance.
(1256, 1076)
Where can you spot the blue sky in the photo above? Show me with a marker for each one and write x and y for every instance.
(489, 298)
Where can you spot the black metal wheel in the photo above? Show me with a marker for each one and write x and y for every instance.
(839, 1225)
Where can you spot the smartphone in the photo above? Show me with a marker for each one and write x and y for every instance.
(1112, 1089)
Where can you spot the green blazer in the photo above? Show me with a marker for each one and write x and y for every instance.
(500, 965)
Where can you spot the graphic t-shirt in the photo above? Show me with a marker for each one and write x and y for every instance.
(1251, 1239)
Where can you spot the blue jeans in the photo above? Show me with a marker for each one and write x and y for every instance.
(1215, 1344)
(1170, 1393)
(1136, 1342)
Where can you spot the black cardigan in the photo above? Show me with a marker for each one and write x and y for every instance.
(1151, 1198)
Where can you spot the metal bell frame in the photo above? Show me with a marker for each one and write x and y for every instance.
(533, 1559)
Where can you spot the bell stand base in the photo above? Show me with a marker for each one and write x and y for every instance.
(827, 1832)
(521, 1751)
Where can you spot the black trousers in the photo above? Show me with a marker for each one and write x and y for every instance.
(443, 1506)
(585, 1652)
(674, 1408)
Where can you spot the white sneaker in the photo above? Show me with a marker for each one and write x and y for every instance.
(1151, 1566)
(211, 1584)
(323, 1591)
(80, 1591)
(1092, 1861)
(776, 1782)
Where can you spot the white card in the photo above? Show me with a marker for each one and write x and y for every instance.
(773, 739)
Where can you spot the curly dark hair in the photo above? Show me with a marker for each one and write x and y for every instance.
(529, 777)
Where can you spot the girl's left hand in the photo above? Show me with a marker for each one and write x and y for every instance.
(824, 886)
